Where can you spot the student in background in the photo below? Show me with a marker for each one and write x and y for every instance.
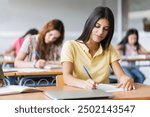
(45, 46)
(87, 60)
(130, 46)
(16, 45)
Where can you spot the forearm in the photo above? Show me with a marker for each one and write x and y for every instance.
(118, 71)
(20, 63)
(72, 81)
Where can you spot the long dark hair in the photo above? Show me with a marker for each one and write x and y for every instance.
(98, 13)
(32, 31)
(125, 40)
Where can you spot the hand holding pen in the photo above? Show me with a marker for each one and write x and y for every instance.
(40, 63)
(90, 80)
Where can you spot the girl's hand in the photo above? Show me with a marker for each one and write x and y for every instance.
(89, 84)
(40, 63)
(126, 82)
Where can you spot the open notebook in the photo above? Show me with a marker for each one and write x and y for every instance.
(77, 94)
(14, 89)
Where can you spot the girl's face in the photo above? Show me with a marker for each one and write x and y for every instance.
(132, 39)
(52, 36)
(100, 30)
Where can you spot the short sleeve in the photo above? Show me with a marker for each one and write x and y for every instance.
(25, 45)
(67, 52)
(114, 55)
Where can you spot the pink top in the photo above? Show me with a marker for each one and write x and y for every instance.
(131, 50)
(17, 44)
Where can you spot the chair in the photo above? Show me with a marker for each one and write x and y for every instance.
(59, 81)
(5, 81)
(37, 81)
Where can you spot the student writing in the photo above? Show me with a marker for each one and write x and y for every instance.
(130, 46)
(47, 44)
(93, 50)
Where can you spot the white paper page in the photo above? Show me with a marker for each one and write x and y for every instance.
(52, 66)
(109, 88)
(12, 89)
(24, 70)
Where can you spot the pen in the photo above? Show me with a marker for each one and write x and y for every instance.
(37, 54)
(86, 71)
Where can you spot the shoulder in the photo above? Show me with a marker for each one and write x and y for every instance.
(70, 43)
(17, 40)
(32, 38)
(110, 47)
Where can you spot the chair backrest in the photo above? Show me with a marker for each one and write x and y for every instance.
(59, 81)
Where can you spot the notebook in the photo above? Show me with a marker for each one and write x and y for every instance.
(77, 94)
(15, 89)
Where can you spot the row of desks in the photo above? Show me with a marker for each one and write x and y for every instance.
(142, 92)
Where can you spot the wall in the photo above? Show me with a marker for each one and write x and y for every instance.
(17, 16)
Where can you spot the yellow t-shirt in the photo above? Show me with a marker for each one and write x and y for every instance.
(98, 66)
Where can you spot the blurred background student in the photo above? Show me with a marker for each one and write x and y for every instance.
(130, 46)
(45, 46)
(16, 45)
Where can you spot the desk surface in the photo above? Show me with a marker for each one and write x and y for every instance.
(49, 72)
(142, 92)
(15, 72)
(9, 73)
(136, 58)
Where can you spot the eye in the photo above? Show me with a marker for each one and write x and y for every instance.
(97, 25)
(49, 34)
(106, 29)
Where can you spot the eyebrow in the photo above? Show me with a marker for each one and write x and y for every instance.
(100, 24)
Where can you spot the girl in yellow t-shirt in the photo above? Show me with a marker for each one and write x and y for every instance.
(86, 61)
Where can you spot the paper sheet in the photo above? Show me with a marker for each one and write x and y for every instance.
(109, 88)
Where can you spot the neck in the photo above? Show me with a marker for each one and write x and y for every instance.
(92, 45)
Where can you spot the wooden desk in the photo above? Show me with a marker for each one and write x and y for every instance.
(142, 92)
(9, 73)
(136, 58)
(49, 72)
(139, 60)
(21, 74)
(7, 61)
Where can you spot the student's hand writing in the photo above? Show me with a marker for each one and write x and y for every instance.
(126, 82)
(40, 63)
(89, 84)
